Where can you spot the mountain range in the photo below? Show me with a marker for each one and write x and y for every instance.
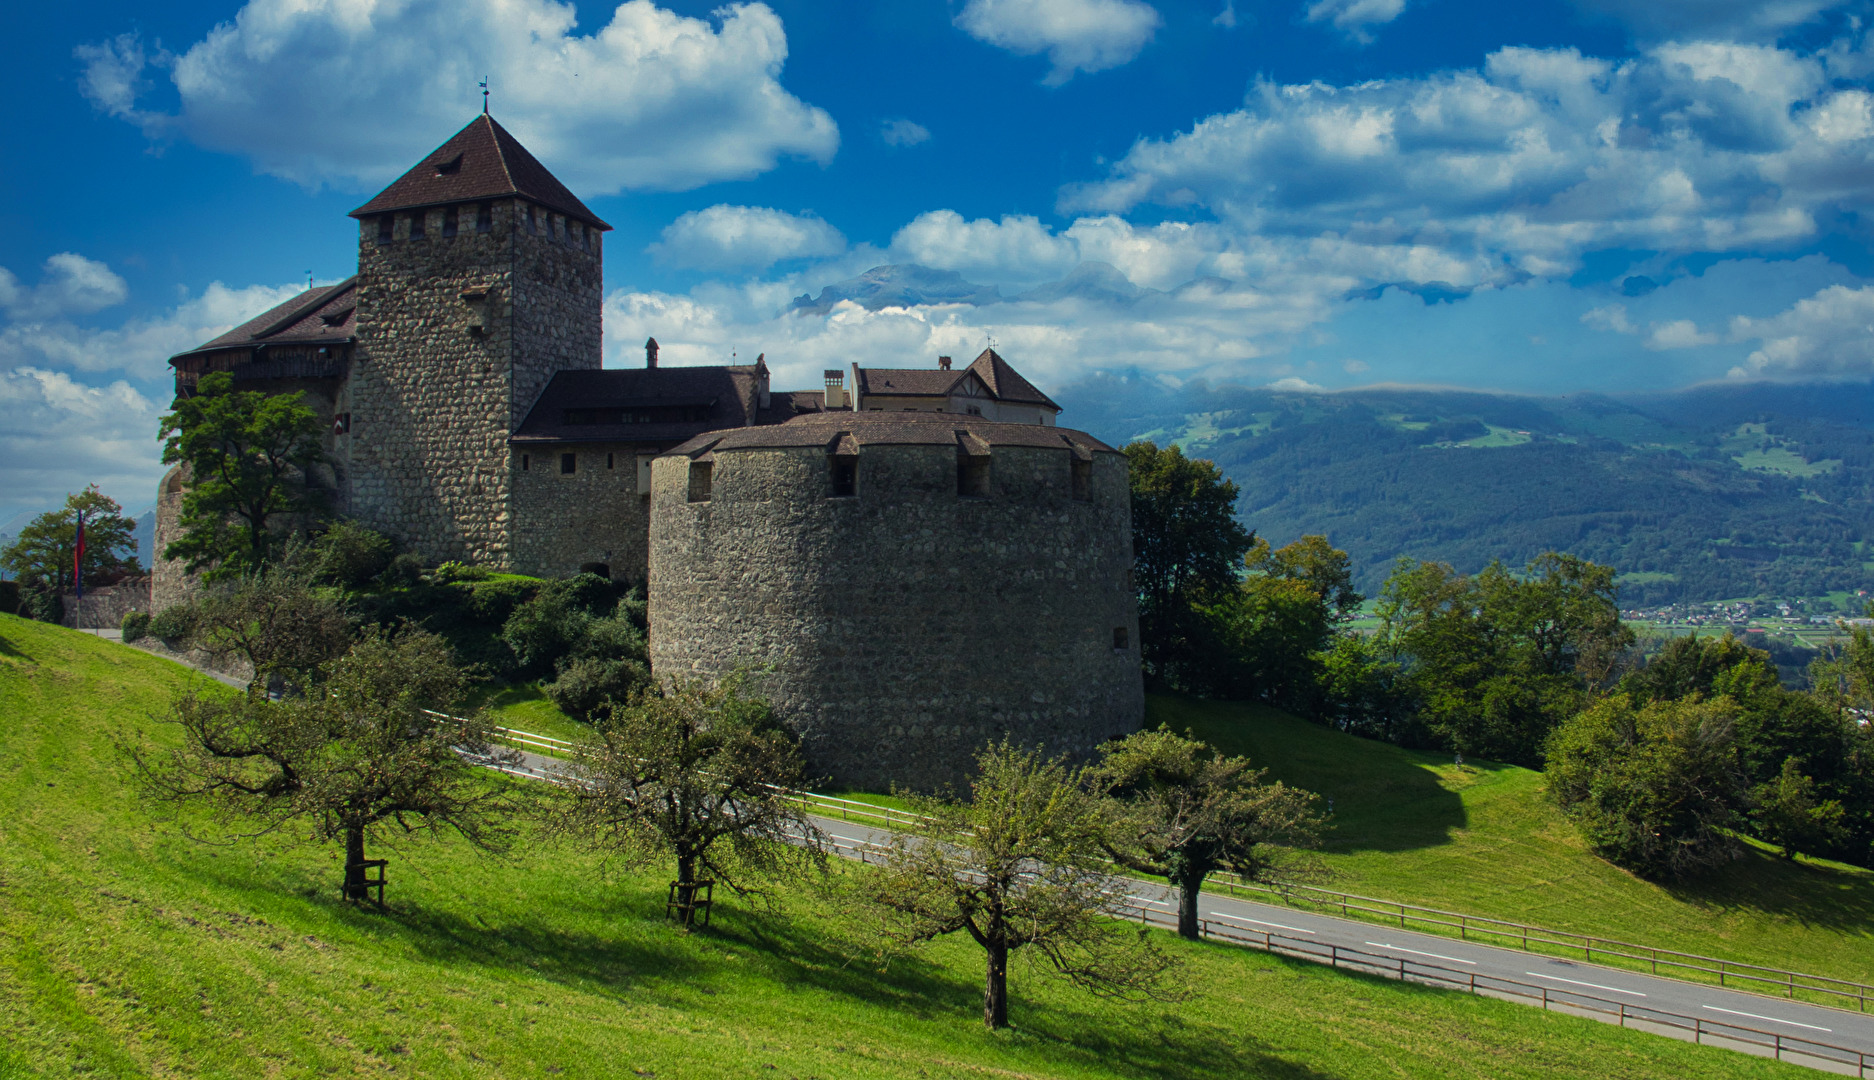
(1715, 492)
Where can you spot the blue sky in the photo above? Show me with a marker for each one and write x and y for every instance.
(1548, 196)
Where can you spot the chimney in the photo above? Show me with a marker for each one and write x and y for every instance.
(835, 389)
(764, 398)
(943, 362)
(650, 354)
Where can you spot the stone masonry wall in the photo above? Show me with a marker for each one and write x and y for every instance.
(907, 626)
(593, 514)
(433, 401)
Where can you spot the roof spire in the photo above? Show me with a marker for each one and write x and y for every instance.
(484, 85)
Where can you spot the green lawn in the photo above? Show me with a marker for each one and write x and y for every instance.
(127, 950)
(1483, 839)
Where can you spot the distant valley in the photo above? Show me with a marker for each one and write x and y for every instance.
(1710, 493)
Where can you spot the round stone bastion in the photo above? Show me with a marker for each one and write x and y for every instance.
(903, 588)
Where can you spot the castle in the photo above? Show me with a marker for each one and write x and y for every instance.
(915, 561)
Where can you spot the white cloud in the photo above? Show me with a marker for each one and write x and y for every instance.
(1743, 20)
(1354, 17)
(1017, 248)
(901, 132)
(1077, 35)
(725, 237)
(1227, 17)
(140, 347)
(1612, 317)
(1678, 334)
(1828, 334)
(1523, 165)
(57, 435)
(1293, 383)
(352, 92)
(71, 285)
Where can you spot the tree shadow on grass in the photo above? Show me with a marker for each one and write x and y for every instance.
(1384, 798)
(1830, 897)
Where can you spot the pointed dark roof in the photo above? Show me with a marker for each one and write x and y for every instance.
(482, 161)
(320, 316)
(1006, 383)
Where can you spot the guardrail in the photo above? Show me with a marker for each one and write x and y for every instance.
(1731, 974)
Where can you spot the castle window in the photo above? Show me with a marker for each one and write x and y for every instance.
(608, 461)
(1121, 639)
(1082, 472)
(568, 464)
(386, 228)
(448, 221)
(523, 462)
(484, 218)
(702, 479)
(845, 477)
(527, 215)
(416, 224)
(973, 476)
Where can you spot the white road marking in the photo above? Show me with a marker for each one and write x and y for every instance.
(1259, 922)
(1148, 900)
(1772, 1019)
(1578, 982)
(1415, 952)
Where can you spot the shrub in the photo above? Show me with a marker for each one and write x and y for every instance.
(1652, 789)
(173, 624)
(404, 571)
(136, 625)
(44, 605)
(494, 601)
(452, 571)
(352, 555)
(587, 684)
(11, 602)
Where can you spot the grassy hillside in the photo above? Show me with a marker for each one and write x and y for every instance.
(1483, 839)
(126, 950)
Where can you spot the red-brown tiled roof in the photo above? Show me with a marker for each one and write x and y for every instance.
(1005, 382)
(482, 161)
(320, 316)
(907, 382)
(891, 429)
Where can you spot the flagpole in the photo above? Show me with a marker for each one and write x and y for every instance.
(78, 572)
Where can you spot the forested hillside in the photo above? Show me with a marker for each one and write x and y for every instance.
(1704, 494)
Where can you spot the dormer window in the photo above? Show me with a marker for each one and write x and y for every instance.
(449, 167)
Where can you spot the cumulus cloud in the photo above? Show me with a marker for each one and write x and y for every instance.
(1526, 163)
(653, 100)
(140, 348)
(58, 435)
(1742, 20)
(901, 132)
(1830, 334)
(725, 237)
(70, 285)
(1017, 248)
(1355, 17)
(1077, 35)
(1678, 334)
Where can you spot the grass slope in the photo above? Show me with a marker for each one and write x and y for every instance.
(126, 950)
(1483, 839)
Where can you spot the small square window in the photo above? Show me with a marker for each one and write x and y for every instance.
(416, 224)
(523, 462)
(845, 477)
(608, 461)
(1082, 477)
(973, 476)
(449, 221)
(484, 218)
(386, 228)
(702, 480)
(1122, 639)
(568, 464)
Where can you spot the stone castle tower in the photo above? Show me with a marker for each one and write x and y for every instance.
(918, 560)
(479, 277)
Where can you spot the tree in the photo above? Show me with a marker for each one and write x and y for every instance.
(1653, 788)
(1186, 547)
(1181, 811)
(247, 455)
(1789, 813)
(698, 775)
(1498, 661)
(41, 557)
(357, 753)
(275, 619)
(1020, 865)
(1276, 627)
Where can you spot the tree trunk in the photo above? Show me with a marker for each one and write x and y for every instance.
(1190, 887)
(686, 889)
(996, 987)
(354, 862)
